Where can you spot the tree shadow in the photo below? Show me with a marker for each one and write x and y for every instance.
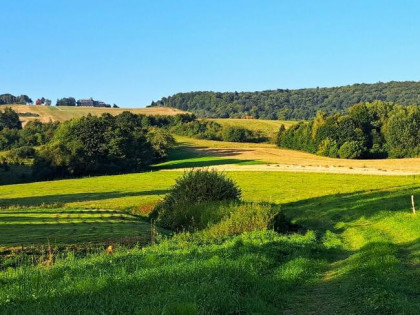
(62, 199)
(202, 163)
(325, 212)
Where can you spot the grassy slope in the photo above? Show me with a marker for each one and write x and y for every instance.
(361, 254)
(139, 192)
(62, 113)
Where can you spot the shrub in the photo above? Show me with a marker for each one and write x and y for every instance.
(24, 152)
(178, 209)
(247, 217)
(235, 134)
(350, 150)
(328, 147)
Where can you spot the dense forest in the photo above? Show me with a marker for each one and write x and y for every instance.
(369, 130)
(291, 104)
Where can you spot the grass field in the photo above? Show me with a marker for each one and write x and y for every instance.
(357, 252)
(60, 227)
(62, 113)
(360, 253)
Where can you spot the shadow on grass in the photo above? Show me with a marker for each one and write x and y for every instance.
(67, 198)
(15, 174)
(202, 162)
(185, 156)
(243, 277)
(324, 212)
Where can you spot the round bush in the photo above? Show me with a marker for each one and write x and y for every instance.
(192, 188)
(350, 150)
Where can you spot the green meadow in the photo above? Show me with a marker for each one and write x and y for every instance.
(356, 251)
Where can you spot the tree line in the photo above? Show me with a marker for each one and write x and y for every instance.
(368, 130)
(106, 144)
(291, 104)
(11, 99)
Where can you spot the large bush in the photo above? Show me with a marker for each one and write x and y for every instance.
(181, 206)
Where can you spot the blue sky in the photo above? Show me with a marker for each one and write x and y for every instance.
(133, 52)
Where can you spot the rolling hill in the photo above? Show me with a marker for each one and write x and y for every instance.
(62, 113)
(291, 104)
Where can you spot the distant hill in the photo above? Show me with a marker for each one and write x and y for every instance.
(290, 104)
(62, 113)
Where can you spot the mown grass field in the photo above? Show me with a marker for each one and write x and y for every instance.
(63, 113)
(360, 252)
(40, 226)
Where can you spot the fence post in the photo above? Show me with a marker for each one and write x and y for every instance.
(412, 203)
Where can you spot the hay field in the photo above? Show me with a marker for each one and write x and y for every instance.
(268, 157)
(62, 113)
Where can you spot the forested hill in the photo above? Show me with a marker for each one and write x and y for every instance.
(291, 104)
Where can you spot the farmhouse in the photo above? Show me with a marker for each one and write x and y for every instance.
(91, 103)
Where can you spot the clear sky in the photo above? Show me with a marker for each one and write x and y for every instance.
(133, 52)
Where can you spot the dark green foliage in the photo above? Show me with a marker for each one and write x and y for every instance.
(291, 104)
(11, 99)
(23, 152)
(9, 119)
(36, 133)
(235, 134)
(350, 150)
(402, 132)
(9, 138)
(66, 101)
(199, 129)
(94, 145)
(161, 141)
(196, 187)
(370, 130)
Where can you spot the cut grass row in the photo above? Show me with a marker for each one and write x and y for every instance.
(135, 191)
(23, 223)
(60, 227)
(360, 256)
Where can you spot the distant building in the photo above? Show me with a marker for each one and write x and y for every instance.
(91, 103)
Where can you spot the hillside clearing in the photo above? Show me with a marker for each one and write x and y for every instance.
(63, 113)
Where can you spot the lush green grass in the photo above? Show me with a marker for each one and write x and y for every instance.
(360, 253)
(136, 191)
(34, 226)
(184, 156)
